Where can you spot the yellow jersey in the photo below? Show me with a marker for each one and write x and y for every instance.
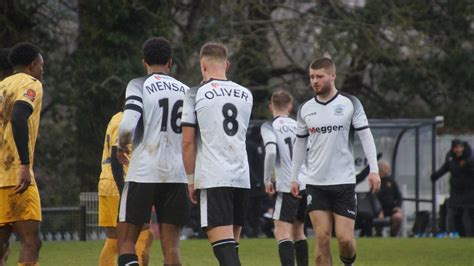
(18, 87)
(107, 186)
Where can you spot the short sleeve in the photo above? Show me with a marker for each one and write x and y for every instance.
(359, 119)
(301, 127)
(268, 135)
(133, 96)
(32, 94)
(188, 117)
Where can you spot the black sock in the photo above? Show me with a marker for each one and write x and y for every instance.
(128, 259)
(225, 252)
(301, 251)
(347, 261)
(237, 248)
(287, 252)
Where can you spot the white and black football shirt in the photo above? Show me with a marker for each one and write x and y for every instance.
(330, 127)
(156, 149)
(281, 131)
(220, 110)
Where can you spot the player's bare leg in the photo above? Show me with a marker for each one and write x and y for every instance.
(169, 237)
(127, 235)
(108, 255)
(223, 243)
(143, 245)
(300, 244)
(322, 224)
(28, 231)
(345, 238)
(237, 231)
(284, 237)
(5, 233)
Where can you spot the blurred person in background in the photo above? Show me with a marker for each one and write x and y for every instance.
(390, 198)
(460, 212)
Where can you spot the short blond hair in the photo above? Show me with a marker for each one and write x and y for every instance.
(214, 50)
(281, 99)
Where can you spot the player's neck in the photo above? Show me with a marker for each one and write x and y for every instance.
(280, 113)
(328, 96)
(215, 75)
(157, 69)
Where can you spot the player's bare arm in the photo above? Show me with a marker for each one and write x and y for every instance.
(189, 159)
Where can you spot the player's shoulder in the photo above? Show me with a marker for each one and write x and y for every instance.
(306, 105)
(352, 98)
(22, 79)
(116, 118)
(137, 82)
(267, 125)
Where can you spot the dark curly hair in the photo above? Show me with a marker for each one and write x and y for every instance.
(23, 54)
(157, 51)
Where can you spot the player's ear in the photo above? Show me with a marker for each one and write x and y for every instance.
(227, 66)
(290, 107)
(270, 108)
(144, 64)
(170, 64)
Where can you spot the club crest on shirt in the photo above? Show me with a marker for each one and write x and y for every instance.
(30, 94)
(215, 85)
(339, 109)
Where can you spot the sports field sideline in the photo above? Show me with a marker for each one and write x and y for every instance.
(261, 252)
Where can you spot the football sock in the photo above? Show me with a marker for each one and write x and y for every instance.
(108, 256)
(225, 252)
(128, 260)
(237, 245)
(143, 245)
(287, 252)
(28, 264)
(301, 250)
(347, 261)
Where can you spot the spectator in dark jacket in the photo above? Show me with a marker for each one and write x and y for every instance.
(460, 164)
(390, 198)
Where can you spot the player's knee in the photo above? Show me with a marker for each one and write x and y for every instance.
(397, 217)
(32, 244)
(324, 240)
(345, 241)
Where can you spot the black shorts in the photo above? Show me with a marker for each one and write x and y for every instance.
(221, 206)
(171, 203)
(288, 208)
(339, 199)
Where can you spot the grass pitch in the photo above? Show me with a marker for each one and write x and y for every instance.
(262, 252)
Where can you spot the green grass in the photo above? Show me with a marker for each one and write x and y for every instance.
(261, 252)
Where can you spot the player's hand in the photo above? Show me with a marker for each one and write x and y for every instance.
(123, 156)
(269, 189)
(192, 194)
(24, 180)
(374, 182)
(295, 189)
